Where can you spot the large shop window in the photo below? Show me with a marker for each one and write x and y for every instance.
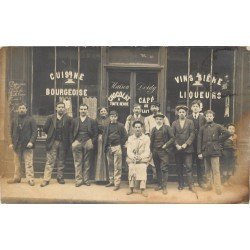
(68, 74)
(205, 74)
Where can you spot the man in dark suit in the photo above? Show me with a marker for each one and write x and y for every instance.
(198, 120)
(84, 138)
(57, 127)
(183, 130)
(115, 137)
(23, 136)
(210, 138)
(161, 139)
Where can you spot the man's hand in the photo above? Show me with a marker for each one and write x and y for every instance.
(164, 146)
(178, 147)
(11, 146)
(200, 156)
(184, 146)
(30, 145)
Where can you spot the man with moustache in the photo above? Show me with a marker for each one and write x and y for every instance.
(23, 136)
(198, 120)
(57, 127)
(136, 116)
(84, 138)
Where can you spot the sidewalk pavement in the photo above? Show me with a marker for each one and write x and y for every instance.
(68, 194)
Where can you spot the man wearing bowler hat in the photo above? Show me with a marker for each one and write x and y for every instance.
(114, 139)
(183, 130)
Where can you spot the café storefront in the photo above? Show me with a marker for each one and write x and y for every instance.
(118, 77)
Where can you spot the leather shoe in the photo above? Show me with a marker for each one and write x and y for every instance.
(116, 188)
(44, 183)
(180, 187)
(130, 192)
(78, 184)
(158, 188)
(144, 193)
(218, 192)
(165, 191)
(31, 182)
(60, 180)
(87, 183)
(13, 181)
(109, 185)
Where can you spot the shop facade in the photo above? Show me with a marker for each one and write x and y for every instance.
(118, 77)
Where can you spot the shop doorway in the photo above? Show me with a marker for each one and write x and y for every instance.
(126, 87)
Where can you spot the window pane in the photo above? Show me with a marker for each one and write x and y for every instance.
(223, 66)
(177, 69)
(119, 94)
(133, 55)
(146, 90)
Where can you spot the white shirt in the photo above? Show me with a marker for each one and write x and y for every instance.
(83, 118)
(158, 127)
(195, 115)
(59, 117)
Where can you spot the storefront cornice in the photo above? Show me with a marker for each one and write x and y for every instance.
(133, 66)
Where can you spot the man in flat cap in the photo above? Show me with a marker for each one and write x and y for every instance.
(210, 138)
(138, 156)
(150, 122)
(183, 130)
(162, 139)
(114, 139)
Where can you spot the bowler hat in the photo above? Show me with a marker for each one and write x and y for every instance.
(113, 112)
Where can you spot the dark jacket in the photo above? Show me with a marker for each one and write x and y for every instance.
(167, 134)
(202, 122)
(122, 132)
(184, 135)
(27, 133)
(92, 129)
(50, 129)
(210, 138)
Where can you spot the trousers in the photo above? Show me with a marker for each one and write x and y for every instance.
(161, 160)
(56, 155)
(184, 162)
(114, 160)
(27, 156)
(82, 158)
(212, 171)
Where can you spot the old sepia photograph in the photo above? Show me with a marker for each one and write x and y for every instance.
(125, 124)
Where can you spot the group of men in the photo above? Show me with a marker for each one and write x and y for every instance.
(144, 141)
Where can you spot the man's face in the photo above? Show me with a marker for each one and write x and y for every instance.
(137, 110)
(209, 117)
(159, 121)
(83, 110)
(138, 129)
(113, 118)
(103, 112)
(60, 109)
(231, 129)
(182, 113)
(195, 108)
(154, 109)
(22, 110)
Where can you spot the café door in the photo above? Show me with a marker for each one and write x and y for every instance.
(126, 87)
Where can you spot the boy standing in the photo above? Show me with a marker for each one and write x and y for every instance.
(198, 120)
(210, 136)
(228, 158)
(115, 137)
(161, 139)
(183, 130)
